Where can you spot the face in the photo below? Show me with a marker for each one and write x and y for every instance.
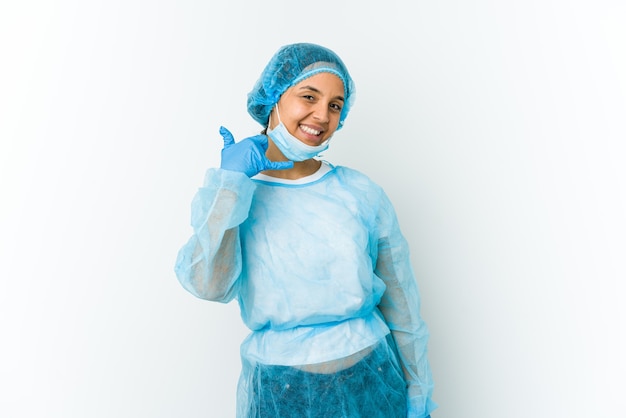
(311, 109)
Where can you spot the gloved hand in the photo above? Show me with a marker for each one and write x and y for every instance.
(248, 155)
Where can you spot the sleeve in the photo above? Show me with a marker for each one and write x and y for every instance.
(400, 306)
(209, 264)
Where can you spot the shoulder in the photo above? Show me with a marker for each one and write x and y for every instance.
(370, 195)
(358, 182)
(350, 174)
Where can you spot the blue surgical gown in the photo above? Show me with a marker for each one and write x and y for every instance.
(319, 268)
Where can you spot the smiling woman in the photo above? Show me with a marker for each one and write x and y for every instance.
(312, 109)
(314, 256)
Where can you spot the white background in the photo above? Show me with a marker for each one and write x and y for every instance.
(498, 129)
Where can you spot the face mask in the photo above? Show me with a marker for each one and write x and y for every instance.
(292, 147)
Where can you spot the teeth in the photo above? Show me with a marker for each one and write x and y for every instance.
(310, 131)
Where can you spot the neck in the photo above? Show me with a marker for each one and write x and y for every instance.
(300, 168)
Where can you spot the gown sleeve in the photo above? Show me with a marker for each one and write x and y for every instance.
(400, 306)
(209, 264)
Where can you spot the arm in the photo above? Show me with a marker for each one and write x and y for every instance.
(400, 305)
(209, 264)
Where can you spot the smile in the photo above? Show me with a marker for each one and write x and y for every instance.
(310, 131)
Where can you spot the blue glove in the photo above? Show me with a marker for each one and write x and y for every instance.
(248, 156)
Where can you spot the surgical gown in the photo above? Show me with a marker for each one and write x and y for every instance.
(321, 273)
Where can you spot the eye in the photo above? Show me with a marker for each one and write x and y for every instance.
(308, 97)
(336, 107)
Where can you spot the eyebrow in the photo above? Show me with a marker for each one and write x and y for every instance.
(318, 91)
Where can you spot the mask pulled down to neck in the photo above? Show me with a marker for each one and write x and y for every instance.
(291, 147)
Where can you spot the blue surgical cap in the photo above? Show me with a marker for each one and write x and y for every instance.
(289, 66)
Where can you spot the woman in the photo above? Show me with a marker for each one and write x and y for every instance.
(314, 255)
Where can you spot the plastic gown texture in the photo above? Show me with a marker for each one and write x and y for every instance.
(323, 279)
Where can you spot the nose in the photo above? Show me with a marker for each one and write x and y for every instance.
(321, 112)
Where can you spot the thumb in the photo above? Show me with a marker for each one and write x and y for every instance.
(228, 137)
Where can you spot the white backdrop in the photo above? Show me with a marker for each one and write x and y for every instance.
(496, 127)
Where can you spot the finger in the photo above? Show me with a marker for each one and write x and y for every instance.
(278, 165)
(228, 137)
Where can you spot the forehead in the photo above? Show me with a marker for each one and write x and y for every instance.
(325, 82)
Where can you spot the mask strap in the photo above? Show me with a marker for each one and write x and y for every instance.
(277, 114)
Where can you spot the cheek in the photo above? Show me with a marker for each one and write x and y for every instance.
(332, 128)
(335, 122)
(290, 110)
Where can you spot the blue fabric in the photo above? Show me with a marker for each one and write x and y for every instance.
(320, 270)
(373, 388)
